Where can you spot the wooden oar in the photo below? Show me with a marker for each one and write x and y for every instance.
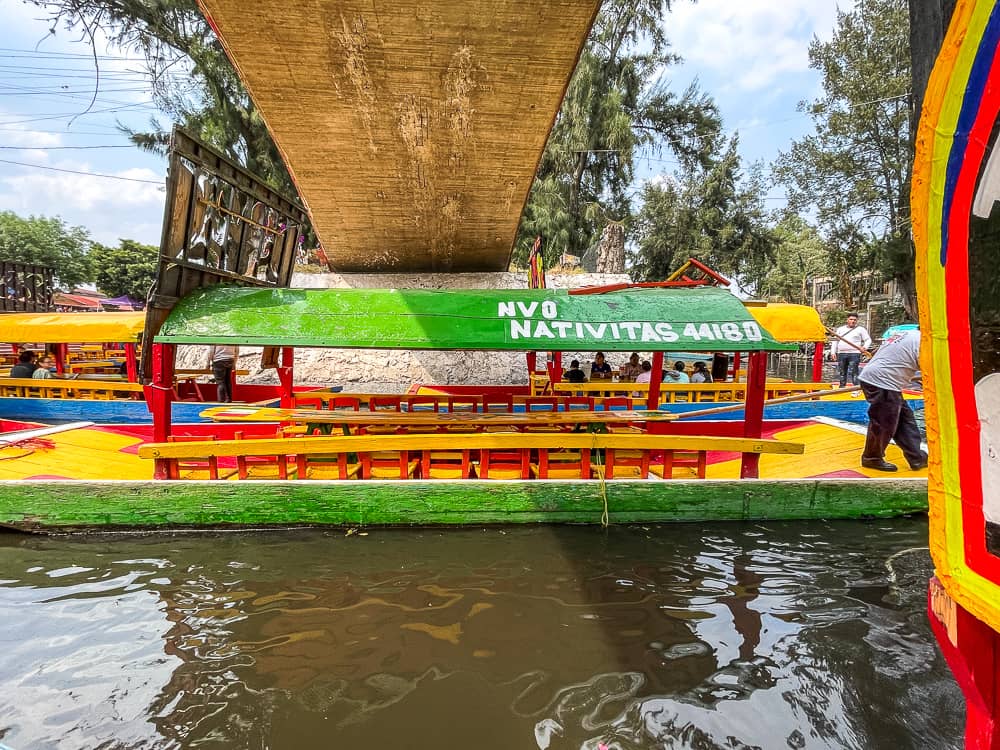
(782, 400)
(10, 438)
(849, 343)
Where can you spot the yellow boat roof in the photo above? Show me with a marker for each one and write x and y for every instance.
(787, 322)
(75, 328)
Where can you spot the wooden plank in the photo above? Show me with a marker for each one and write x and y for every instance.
(429, 417)
(81, 505)
(492, 440)
(17, 386)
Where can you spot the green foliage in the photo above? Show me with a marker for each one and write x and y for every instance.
(46, 242)
(193, 80)
(615, 105)
(714, 213)
(853, 173)
(799, 257)
(128, 269)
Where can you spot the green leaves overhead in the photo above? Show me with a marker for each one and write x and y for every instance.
(853, 173)
(617, 102)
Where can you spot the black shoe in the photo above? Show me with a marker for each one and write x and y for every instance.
(879, 464)
(919, 466)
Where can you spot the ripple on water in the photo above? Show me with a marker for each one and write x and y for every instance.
(808, 635)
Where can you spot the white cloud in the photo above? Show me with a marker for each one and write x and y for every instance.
(754, 43)
(110, 209)
(22, 135)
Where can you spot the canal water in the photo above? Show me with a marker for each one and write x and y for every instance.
(769, 635)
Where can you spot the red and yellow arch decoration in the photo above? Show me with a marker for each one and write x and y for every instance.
(958, 122)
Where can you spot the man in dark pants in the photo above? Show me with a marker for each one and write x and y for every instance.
(851, 340)
(222, 360)
(891, 370)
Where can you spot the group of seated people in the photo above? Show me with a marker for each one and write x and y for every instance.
(635, 372)
(31, 365)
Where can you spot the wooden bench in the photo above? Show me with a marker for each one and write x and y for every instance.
(303, 450)
(57, 388)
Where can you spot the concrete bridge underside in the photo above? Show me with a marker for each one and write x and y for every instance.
(412, 128)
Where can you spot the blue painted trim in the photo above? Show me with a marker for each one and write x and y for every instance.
(47, 410)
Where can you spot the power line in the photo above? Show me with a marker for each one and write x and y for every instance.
(62, 148)
(85, 174)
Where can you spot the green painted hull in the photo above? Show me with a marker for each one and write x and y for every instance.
(85, 505)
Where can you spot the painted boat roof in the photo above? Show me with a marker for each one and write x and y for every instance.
(76, 328)
(412, 128)
(704, 318)
(788, 322)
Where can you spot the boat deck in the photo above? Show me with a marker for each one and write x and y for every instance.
(110, 452)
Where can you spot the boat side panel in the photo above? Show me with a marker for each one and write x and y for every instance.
(68, 505)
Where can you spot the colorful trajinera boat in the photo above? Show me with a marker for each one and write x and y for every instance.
(323, 459)
(383, 157)
(955, 226)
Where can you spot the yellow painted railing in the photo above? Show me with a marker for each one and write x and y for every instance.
(55, 388)
(687, 392)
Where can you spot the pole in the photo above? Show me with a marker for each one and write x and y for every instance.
(753, 416)
(557, 368)
(737, 361)
(131, 364)
(851, 344)
(286, 376)
(160, 398)
(782, 400)
(818, 362)
(655, 379)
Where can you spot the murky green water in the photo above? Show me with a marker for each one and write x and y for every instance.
(804, 635)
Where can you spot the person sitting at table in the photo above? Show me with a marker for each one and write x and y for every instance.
(45, 367)
(223, 362)
(678, 374)
(701, 373)
(599, 368)
(574, 374)
(645, 376)
(631, 369)
(25, 367)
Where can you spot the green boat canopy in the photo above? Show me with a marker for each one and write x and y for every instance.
(699, 319)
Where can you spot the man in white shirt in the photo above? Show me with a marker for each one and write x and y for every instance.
(846, 350)
(222, 360)
(890, 418)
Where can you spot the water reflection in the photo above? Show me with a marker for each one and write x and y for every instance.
(785, 635)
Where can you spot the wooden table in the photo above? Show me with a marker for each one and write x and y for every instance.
(431, 418)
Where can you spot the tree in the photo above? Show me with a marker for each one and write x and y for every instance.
(615, 105)
(800, 256)
(128, 269)
(46, 242)
(193, 80)
(853, 173)
(714, 214)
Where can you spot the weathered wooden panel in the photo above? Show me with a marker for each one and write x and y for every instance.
(412, 128)
(67, 505)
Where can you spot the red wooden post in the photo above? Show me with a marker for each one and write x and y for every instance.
(131, 364)
(59, 352)
(737, 361)
(655, 378)
(161, 395)
(286, 376)
(557, 368)
(753, 412)
(818, 362)
(532, 359)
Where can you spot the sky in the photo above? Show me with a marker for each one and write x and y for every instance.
(750, 55)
